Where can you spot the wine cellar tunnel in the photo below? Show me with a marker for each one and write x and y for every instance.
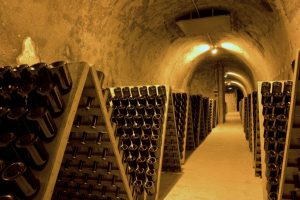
(214, 57)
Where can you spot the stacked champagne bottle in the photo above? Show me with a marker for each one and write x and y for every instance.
(195, 104)
(180, 104)
(138, 113)
(256, 135)
(206, 115)
(249, 122)
(30, 100)
(276, 104)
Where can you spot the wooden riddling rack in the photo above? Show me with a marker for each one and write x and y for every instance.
(201, 121)
(289, 182)
(196, 111)
(203, 131)
(181, 105)
(47, 176)
(145, 128)
(190, 137)
(212, 114)
(245, 116)
(171, 160)
(241, 110)
(249, 121)
(206, 121)
(274, 104)
(215, 118)
(255, 135)
(91, 165)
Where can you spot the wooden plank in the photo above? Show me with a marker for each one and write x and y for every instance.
(294, 99)
(185, 129)
(56, 148)
(110, 130)
(161, 149)
(263, 155)
(172, 131)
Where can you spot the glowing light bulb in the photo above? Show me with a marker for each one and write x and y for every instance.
(214, 51)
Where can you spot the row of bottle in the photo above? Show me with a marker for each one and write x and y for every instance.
(80, 179)
(20, 153)
(276, 87)
(196, 111)
(138, 114)
(30, 96)
(140, 100)
(81, 191)
(276, 96)
(39, 85)
(275, 111)
(180, 104)
(205, 119)
(143, 91)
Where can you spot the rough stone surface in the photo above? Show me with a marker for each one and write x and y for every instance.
(137, 42)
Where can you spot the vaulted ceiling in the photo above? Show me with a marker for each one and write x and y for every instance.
(138, 42)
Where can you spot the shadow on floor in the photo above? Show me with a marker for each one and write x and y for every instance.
(168, 180)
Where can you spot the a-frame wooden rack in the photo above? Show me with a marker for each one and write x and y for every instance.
(171, 160)
(289, 182)
(181, 108)
(273, 118)
(167, 151)
(190, 138)
(92, 166)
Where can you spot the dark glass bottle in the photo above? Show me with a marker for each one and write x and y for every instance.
(23, 179)
(61, 76)
(126, 92)
(42, 118)
(7, 149)
(33, 151)
(143, 91)
(135, 92)
(149, 188)
(118, 92)
(265, 87)
(152, 91)
(47, 88)
(137, 129)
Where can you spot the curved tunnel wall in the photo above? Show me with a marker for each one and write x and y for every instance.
(137, 42)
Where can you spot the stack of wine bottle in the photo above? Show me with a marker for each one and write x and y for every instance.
(246, 117)
(276, 103)
(180, 104)
(196, 110)
(171, 154)
(249, 122)
(206, 114)
(89, 169)
(256, 135)
(138, 113)
(210, 115)
(190, 141)
(30, 100)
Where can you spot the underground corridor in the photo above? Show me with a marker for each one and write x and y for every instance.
(149, 99)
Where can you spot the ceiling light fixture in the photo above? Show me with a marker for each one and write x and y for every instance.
(214, 49)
